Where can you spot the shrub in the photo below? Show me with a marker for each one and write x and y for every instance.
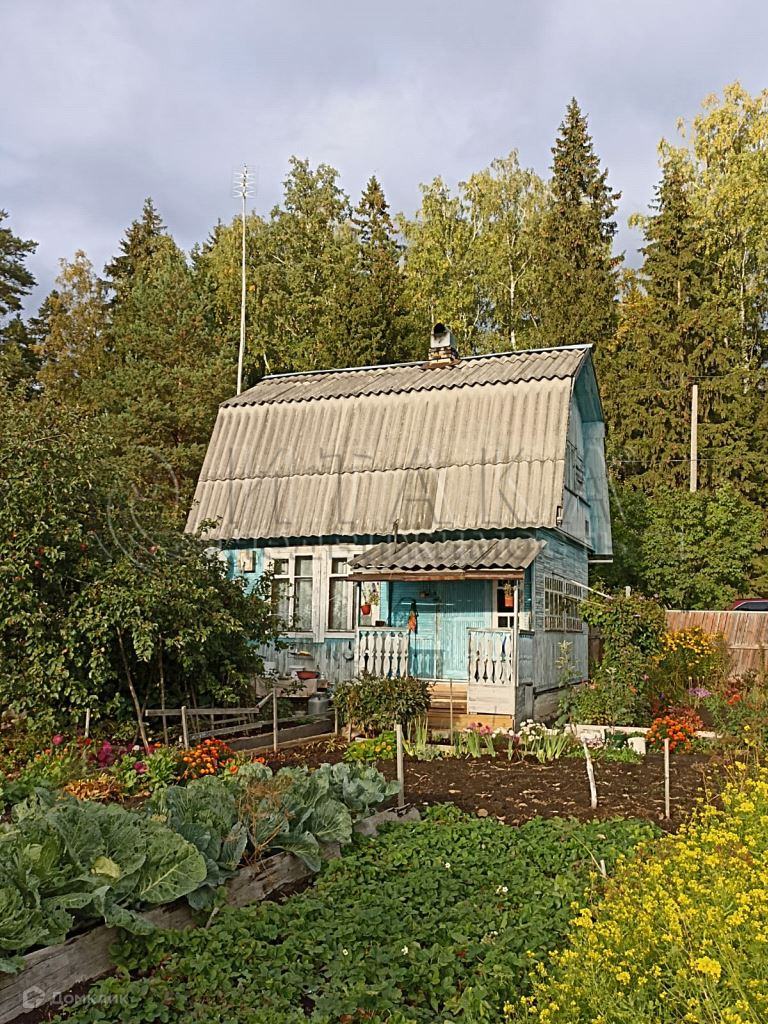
(373, 703)
(615, 695)
(682, 934)
(689, 660)
(631, 627)
(739, 710)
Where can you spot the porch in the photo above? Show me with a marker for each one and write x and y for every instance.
(488, 687)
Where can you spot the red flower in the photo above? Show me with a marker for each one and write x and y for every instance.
(57, 740)
(139, 767)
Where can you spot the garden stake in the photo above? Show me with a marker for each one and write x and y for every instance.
(274, 719)
(400, 778)
(450, 705)
(590, 776)
(87, 722)
(184, 732)
(666, 777)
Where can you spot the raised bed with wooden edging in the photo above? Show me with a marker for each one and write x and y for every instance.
(54, 970)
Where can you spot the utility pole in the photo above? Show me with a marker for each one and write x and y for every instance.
(243, 190)
(694, 436)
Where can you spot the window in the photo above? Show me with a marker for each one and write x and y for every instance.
(561, 605)
(505, 604)
(281, 589)
(311, 590)
(302, 593)
(292, 591)
(339, 597)
(574, 469)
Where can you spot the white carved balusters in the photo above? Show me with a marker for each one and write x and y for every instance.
(382, 652)
(491, 656)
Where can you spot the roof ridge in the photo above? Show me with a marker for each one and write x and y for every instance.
(419, 362)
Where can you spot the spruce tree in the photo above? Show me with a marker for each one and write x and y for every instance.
(16, 281)
(578, 272)
(375, 306)
(141, 243)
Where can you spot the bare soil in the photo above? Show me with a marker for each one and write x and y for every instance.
(514, 791)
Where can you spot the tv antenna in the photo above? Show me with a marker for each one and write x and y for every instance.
(243, 190)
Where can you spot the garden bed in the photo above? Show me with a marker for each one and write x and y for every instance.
(56, 971)
(516, 791)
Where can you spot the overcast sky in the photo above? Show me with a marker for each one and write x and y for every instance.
(108, 101)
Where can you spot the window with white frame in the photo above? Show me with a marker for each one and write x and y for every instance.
(339, 597)
(505, 604)
(292, 585)
(561, 605)
(311, 590)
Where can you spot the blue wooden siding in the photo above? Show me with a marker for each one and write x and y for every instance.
(439, 648)
(560, 557)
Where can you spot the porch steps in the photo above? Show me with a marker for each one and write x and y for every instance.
(439, 714)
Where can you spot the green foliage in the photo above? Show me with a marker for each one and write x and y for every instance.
(68, 862)
(470, 258)
(15, 280)
(431, 921)
(699, 549)
(379, 748)
(625, 621)
(739, 710)
(618, 693)
(546, 745)
(101, 600)
(373, 703)
(76, 862)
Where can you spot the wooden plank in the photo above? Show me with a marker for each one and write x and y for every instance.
(55, 970)
(745, 633)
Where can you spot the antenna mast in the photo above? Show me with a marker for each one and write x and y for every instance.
(243, 189)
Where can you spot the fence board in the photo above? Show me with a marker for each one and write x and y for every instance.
(746, 635)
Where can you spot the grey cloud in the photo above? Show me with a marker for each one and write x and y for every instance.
(106, 103)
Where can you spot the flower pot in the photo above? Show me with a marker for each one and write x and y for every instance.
(509, 600)
(305, 673)
(365, 609)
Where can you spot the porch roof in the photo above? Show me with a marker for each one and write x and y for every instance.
(447, 559)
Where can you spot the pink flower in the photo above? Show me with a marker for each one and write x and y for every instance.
(105, 756)
(139, 767)
(57, 740)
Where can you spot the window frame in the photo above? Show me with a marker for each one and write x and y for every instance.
(561, 598)
(349, 613)
(323, 556)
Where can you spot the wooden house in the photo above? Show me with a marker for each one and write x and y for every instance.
(434, 518)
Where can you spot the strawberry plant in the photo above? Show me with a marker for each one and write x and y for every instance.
(432, 921)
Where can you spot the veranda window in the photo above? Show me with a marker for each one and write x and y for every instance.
(561, 605)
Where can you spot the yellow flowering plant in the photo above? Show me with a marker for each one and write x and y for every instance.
(682, 933)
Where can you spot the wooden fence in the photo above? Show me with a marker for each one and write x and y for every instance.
(746, 634)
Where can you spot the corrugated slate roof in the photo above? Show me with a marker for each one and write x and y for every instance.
(475, 446)
(506, 553)
(504, 368)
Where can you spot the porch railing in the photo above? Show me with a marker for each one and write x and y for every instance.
(492, 657)
(383, 651)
